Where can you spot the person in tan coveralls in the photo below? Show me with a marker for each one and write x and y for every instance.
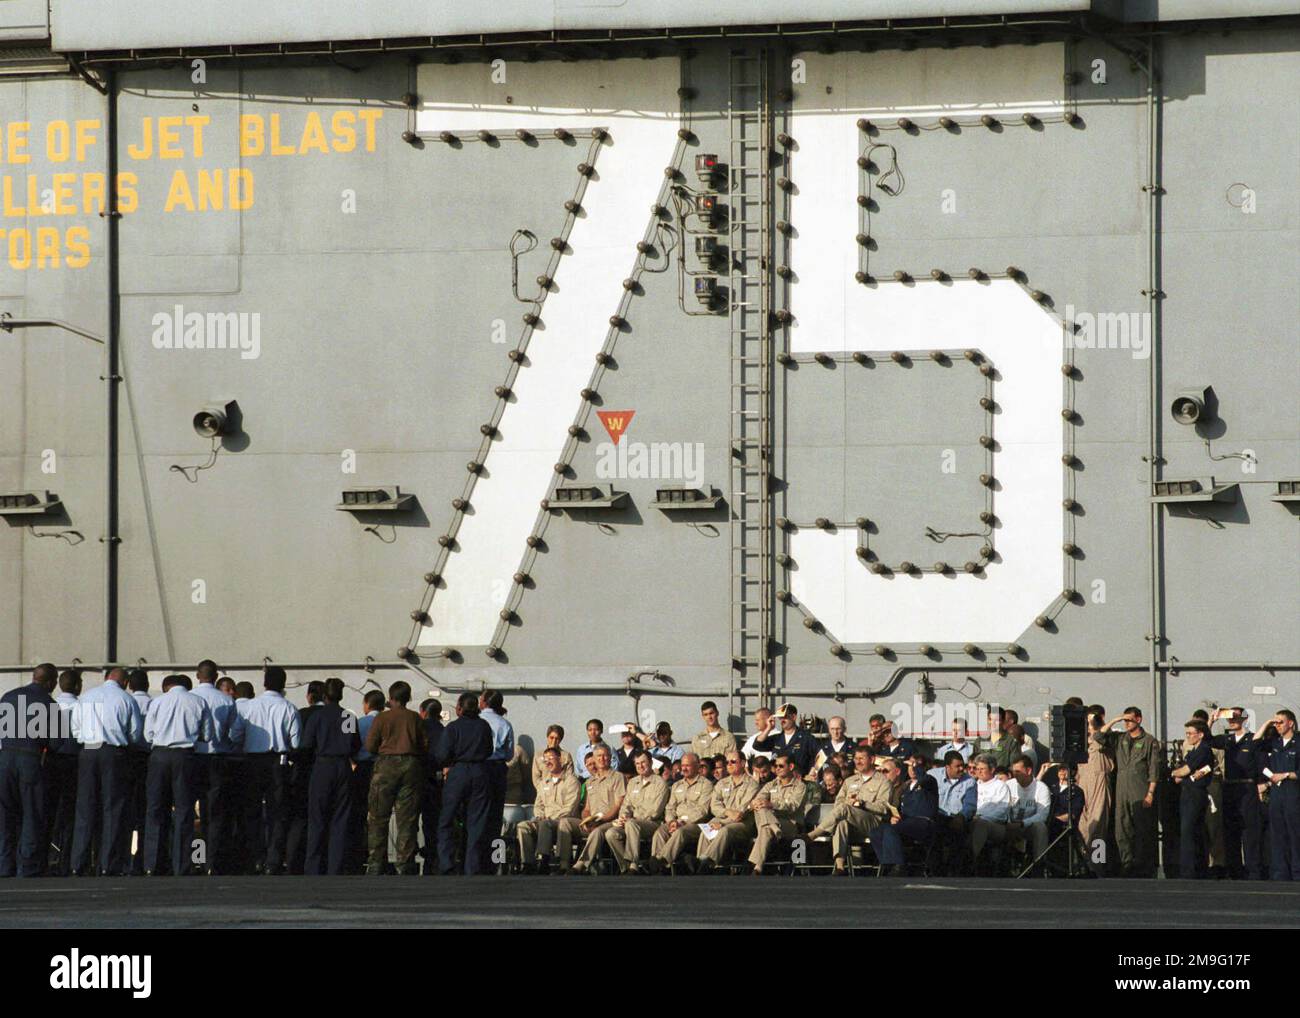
(861, 805)
(1093, 779)
(732, 818)
(641, 814)
(555, 815)
(780, 809)
(605, 790)
(688, 807)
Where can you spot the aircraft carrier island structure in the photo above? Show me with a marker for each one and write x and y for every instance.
(896, 356)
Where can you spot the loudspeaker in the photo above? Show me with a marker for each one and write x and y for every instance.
(1070, 734)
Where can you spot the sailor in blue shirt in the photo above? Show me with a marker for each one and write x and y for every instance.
(178, 721)
(331, 737)
(271, 730)
(107, 722)
(1243, 814)
(1281, 758)
(431, 793)
(958, 797)
(492, 710)
(61, 775)
(210, 779)
(26, 716)
(1194, 777)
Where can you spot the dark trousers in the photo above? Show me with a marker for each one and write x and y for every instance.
(357, 830)
(61, 807)
(1284, 830)
(468, 792)
(102, 787)
(1243, 822)
(430, 808)
(888, 839)
(295, 807)
(329, 811)
(22, 814)
(1193, 801)
(170, 796)
(137, 803)
(268, 777)
(235, 853)
(213, 794)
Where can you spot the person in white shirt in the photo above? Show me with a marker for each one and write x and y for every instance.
(993, 801)
(764, 722)
(1031, 806)
(958, 744)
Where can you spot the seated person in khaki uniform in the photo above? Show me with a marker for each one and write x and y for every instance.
(732, 820)
(688, 807)
(555, 815)
(605, 790)
(641, 814)
(861, 804)
(780, 809)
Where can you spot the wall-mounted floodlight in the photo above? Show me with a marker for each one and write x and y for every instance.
(1193, 490)
(380, 498)
(572, 497)
(29, 503)
(681, 497)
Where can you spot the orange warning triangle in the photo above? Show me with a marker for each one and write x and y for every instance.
(615, 421)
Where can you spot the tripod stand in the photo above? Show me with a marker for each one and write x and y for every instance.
(1070, 835)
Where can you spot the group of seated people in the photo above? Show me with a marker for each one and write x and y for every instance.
(781, 799)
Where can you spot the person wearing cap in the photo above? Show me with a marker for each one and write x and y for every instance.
(861, 805)
(688, 806)
(604, 798)
(640, 815)
(663, 747)
(714, 739)
(780, 809)
(1138, 759)
(1242, 811)
(732, 821)
(549, 834)
(630, 743)
(790, 738)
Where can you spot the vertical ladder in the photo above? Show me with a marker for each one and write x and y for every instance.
(751, 362)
